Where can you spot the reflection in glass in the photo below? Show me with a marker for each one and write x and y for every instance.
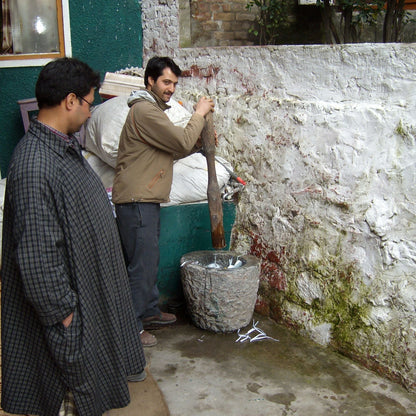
(34, 26)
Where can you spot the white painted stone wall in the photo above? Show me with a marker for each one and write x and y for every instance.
(325, 137)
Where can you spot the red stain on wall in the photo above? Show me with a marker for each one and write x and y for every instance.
(273, 282)
(271, 270)
(262, 307)
(246, 83)
(196, 71)
(274, 276)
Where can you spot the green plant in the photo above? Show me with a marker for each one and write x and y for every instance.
(271, 21)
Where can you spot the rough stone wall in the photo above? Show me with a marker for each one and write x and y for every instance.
(325, 137)
(160, 23)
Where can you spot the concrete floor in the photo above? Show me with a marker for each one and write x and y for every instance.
(203, 373)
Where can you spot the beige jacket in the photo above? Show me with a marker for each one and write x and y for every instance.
(149, 143)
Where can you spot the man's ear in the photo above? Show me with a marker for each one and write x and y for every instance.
(70, 100)
(150, 81)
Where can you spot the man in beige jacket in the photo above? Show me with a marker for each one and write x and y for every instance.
(149, 143)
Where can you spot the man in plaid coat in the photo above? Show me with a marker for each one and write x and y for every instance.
(68, 327)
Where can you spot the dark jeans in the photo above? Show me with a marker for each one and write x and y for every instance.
(139, 227)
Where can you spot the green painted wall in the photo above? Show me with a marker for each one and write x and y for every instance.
(105, 34)
(185, 228)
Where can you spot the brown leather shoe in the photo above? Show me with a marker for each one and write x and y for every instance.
(148, 340)
(162, 319)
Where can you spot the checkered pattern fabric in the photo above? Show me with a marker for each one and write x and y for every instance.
(62, 255)
(68, 406)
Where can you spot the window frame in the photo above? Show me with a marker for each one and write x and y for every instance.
(40, 59)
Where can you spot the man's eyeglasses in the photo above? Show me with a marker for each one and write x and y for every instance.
(90, 104)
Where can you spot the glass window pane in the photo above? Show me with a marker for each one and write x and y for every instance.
(7, 45)
(34, 26)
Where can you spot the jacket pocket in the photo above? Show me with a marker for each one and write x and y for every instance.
(156, 179)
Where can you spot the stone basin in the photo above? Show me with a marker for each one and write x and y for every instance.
(220, 288)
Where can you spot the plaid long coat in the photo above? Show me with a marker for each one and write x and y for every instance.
(61, 254)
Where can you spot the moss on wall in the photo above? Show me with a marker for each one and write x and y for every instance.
(342, 303)
(339, 299)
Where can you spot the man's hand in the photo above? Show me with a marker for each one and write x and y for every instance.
(67, 321)
(204, 106)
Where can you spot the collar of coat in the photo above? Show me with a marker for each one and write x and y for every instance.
(53, 139)
(139, 95)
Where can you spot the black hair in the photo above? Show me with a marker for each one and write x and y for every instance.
(62, 76)
(156, 65)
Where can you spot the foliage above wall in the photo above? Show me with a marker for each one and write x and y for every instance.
(356, 15)
(272, 19)
(340, 21)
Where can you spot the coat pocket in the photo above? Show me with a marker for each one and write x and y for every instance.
(156, 179)
(65, 345)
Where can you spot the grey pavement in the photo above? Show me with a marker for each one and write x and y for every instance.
(203, 373)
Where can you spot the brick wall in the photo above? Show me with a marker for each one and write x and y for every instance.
(220, 23)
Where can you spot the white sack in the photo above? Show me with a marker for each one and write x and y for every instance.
(103, 129)
(102, 169)
(190, 179)
(178, 114)
(102, 132)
